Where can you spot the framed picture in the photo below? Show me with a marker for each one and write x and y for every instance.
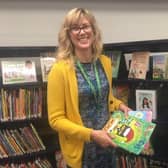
(146, 100)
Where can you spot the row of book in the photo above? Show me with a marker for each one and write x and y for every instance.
(130, 161)
(123, 160)
(138, 64)
(17, 104)
(37, 163)
(20, 141)
(24, 70)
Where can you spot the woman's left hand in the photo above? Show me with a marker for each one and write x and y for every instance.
(124, 109)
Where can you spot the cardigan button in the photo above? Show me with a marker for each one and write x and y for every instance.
(111, 102)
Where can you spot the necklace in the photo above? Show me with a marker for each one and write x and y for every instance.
(97, 94)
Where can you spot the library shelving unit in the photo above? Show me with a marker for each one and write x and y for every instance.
(35, 112)
(159, 139)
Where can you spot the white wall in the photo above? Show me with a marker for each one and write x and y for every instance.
(37, 22)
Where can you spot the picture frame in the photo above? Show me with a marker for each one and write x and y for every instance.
(146, 100)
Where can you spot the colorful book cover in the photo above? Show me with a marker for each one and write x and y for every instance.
(139, 65)
(18, 72)
(115, 56)
(159, 68)
(144, 115)
(147, 116)
(130, 132)
(46, 64)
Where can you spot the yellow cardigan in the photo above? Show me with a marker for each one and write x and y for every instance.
(63, 109)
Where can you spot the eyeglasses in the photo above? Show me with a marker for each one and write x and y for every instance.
(77, 29)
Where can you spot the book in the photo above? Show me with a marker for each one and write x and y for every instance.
(160, 66)
(35, 133)
(146, 100)
(115, 56)
(144, 115)
(17, 141)
(139, 65)
(18, 71)
(128, 58)
(21, 140)
(147, 116)
(8, 148)
(131, 133)
(46, 64)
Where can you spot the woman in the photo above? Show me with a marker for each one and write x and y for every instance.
(80, 93)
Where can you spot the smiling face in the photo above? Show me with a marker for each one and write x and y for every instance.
(81, 35)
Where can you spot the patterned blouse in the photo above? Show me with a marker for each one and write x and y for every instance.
(93, 116)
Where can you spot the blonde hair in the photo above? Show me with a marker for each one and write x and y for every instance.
(65, 48)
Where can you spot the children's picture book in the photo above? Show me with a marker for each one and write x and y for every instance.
(130, 133)
(139, 65)
(144, 115)
(115, 56)
(46, 64)
(18, 71)
(146, 100)
(147, 116)
(160, 66)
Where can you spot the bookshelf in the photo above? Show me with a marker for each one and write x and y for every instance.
(159, 139)
(19, 118)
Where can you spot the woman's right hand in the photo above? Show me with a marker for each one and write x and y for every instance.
(102, 138)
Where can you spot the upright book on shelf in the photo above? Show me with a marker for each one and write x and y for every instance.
(18, 71)
(128, 58)
(115, 56)
(139, 65)
(160, 66)
(46, 64)
(146, 100)
(130, 133)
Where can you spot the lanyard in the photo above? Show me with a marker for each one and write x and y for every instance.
(86, 76)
